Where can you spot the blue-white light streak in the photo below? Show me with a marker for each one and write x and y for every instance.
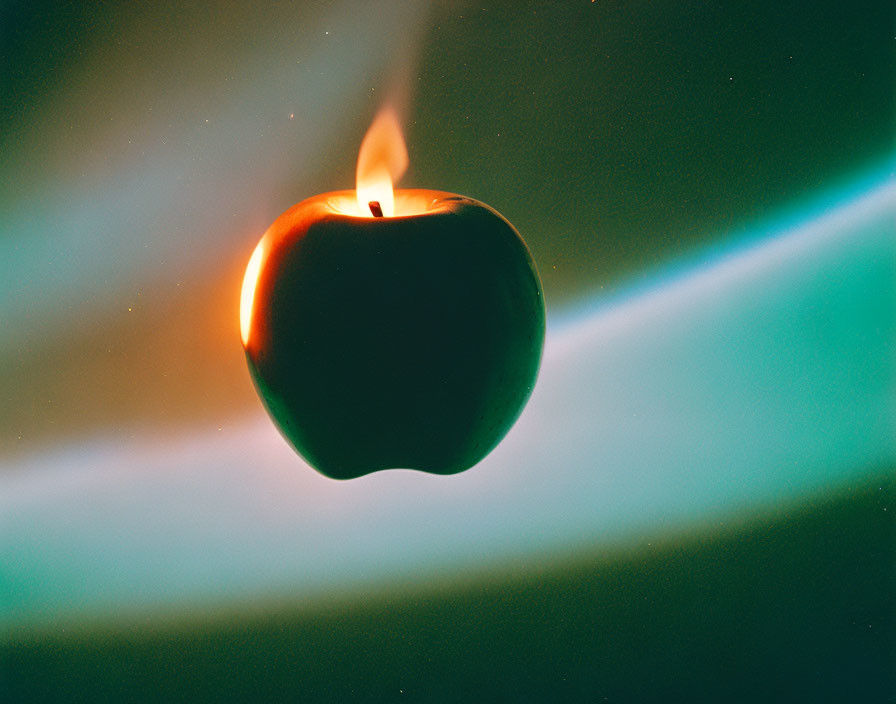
(756, 379)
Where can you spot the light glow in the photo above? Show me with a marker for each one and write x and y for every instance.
(247, 294)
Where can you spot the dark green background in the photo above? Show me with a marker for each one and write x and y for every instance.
(617, 137)
(621, 134)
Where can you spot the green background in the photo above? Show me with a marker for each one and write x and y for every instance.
(698, 505)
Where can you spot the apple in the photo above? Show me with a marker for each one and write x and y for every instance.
(393, 342)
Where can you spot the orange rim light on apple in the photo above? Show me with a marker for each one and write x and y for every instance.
(392, 329)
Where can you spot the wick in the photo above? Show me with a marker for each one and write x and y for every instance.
(375, 208)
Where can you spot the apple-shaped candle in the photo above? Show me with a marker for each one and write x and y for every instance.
(408, 336)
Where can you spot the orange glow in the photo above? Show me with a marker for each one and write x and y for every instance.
(407, 202)
(381, 162)
(247, 294)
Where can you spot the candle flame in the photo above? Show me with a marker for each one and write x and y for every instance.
(382, 161)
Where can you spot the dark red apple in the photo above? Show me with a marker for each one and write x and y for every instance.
(393, 342)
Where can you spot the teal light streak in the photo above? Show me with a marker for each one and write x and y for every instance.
(850, 192)
(758, 380)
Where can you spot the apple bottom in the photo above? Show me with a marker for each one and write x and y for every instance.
(407, 342)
